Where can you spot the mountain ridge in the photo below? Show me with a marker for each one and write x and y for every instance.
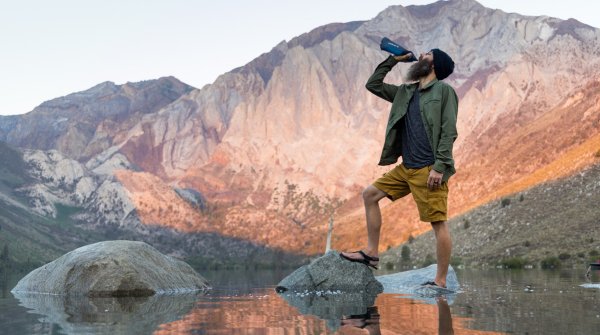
(292, 136)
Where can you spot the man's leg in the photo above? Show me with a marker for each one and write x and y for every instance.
(371, 196)
(443, 251)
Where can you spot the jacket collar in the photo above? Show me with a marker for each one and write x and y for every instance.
(414, 86)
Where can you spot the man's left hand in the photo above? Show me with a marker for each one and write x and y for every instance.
(435, 180)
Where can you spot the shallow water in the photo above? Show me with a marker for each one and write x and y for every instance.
(490, 302)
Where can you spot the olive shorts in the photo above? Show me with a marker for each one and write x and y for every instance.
(400, 181)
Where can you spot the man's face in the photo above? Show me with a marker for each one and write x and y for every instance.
(422, 68)
(428, 55)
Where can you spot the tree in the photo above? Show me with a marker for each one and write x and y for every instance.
(405, 253)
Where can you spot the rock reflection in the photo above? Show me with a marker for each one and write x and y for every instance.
(128, 315)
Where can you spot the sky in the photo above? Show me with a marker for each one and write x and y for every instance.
(49, 49)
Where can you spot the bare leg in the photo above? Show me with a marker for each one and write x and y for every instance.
(371, 196)
(443, 251)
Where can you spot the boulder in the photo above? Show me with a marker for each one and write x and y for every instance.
(330, 288)
(113, 269)
(409, 282)
(331, 273)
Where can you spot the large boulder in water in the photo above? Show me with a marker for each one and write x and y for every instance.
(113, 269)
(331, 273)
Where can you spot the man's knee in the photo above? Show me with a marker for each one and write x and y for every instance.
(372, 194)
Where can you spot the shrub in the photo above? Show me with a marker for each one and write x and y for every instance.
(505, 202)
(594, 253)
(513, 263)
(550, 263)
(564, 256)
(410, 238)
(597, 154)
(456, 261)
(428, 260)
(521, 198)
(527, 244)
(389, 266)
(467, 224)
(405, 253)
(581, 254)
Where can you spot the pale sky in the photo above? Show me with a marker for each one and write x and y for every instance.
(53, 48)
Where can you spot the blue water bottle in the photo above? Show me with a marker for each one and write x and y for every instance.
(396, 49)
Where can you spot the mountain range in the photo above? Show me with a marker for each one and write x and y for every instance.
(260, 159)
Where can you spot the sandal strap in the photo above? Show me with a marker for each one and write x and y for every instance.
(367, 257)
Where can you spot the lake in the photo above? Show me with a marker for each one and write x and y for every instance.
(491, 301)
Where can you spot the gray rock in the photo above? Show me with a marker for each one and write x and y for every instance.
(331, 287)
(409, 282)
(113, 269)
(331, 273)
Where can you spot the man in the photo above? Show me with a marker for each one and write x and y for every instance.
(421, 129)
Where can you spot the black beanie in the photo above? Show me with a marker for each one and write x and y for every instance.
(443, 65)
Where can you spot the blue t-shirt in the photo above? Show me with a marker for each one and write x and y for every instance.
(416, 150)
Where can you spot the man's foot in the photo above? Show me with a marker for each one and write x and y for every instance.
(433, 284)
(361, 257)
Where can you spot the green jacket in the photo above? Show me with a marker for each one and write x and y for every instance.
(439, 106)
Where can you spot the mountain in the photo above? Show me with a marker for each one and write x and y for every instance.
(558, 219)
(82, 125)
(272, 149)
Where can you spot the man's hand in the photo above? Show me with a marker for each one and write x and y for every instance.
(435, 180)
(403, 58)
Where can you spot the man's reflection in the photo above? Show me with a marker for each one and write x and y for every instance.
(370, 320)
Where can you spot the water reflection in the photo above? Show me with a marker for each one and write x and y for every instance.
(519, 302)
(370, 321)
(83, 315)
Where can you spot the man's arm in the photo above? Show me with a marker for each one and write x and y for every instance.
(375, 83)
(448, 134)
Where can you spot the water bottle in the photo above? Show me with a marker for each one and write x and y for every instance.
(396, 49)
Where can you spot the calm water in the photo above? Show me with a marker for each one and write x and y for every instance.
(491, 302)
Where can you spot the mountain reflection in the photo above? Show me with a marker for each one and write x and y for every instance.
(265, 312)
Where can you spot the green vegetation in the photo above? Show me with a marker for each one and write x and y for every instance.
(550, 263)
(505, 202)
(269, 261)
(564, 256)
(405, 253)
(513, 263)
(467, 224)
(428, 260)
(594, 253)
(456, 261)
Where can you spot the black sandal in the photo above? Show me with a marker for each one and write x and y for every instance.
(366, 260)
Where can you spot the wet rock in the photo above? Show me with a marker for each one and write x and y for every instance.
(113, 269)
(409, 282)
(331, 273)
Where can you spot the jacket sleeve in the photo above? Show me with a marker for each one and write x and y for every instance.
(443, 157)
(375, 83)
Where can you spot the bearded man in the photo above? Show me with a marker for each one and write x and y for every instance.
(421, 129)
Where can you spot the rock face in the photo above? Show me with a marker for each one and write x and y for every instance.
(113, 269)
(277, 139)
(331, 273)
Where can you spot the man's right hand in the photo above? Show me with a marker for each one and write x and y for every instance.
(403, 58)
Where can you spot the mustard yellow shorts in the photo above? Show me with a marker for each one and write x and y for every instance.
(400, 181)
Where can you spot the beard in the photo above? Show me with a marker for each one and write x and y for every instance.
(419, 70)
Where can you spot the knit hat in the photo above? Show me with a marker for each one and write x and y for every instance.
(443, 65)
